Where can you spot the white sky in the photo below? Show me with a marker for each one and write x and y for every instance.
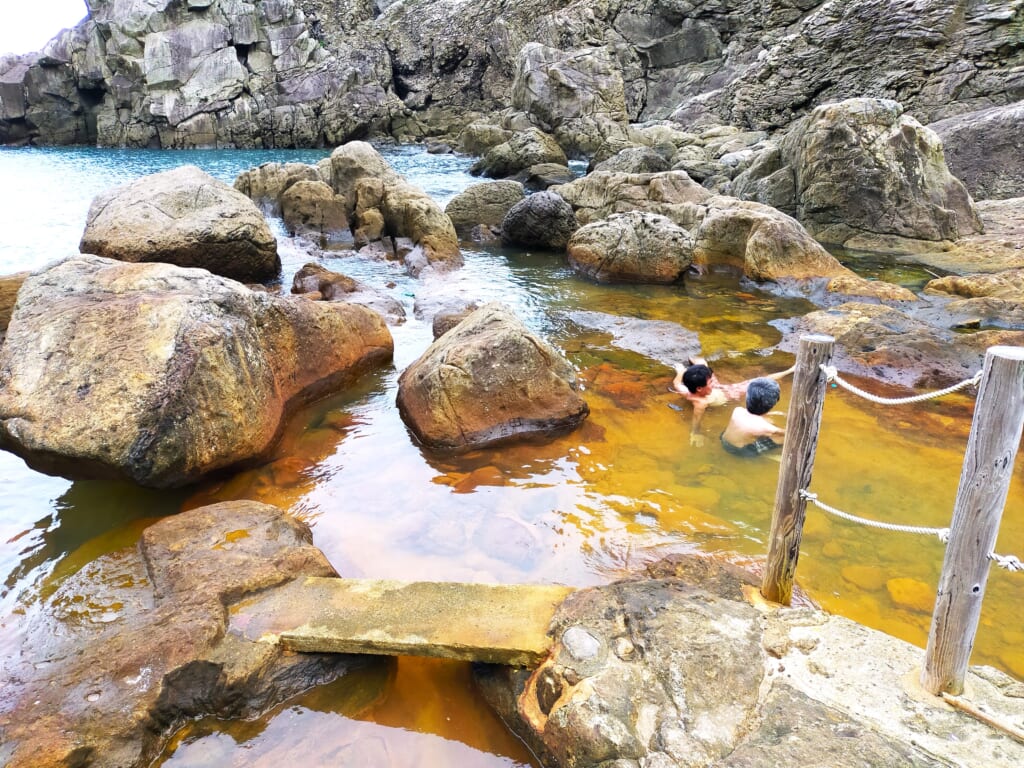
(27, 25)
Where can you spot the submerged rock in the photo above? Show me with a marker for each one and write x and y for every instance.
(315, 280)
(162, 375)
(486, 382)
(106, 680)
(183, 217)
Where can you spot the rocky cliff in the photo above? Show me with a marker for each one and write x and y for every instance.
(278, 73)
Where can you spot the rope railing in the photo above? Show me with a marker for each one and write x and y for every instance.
(988, 465)
(1006, 562)
(833, 377)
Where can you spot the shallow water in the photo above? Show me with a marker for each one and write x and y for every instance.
(622, 490)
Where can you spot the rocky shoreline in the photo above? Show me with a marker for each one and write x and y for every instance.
(746, 136)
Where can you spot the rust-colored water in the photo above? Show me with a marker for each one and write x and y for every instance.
(584, 509)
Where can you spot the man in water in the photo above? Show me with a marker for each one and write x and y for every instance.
(749, 432)
(698, 384)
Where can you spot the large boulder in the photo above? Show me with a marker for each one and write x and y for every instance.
(861, 173)
(486, 382)
(162, 375)
(311, 208)
(265, 183)
(985, 150)
(183, 217)
(676, 669)
(380, 201)
(484, 203)
(765, 243)
(632, 247)
(541, 220)
(524, 149)
(601, 193)
(635, 160)
(128, 650)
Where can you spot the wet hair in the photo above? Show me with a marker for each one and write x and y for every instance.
(696, 376)
(762, 395)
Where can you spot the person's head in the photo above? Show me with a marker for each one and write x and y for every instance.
(697, 377)
(762, 395)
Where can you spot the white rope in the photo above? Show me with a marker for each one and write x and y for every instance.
(942, 533)
(1007, 562)
(833, 376)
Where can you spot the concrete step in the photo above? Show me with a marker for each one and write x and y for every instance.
(494, 623)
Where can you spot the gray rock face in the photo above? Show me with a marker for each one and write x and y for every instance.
(308, 72)
(489, 381)
(572, 94)
(224, 73)
(162, 375)
(524, 149)
(860, 169)
(183, 217)
(634, 160)
(631, 247)
(542, 220)
(106, 681)
(985, 150)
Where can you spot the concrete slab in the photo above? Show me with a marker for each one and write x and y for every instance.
(494, 623)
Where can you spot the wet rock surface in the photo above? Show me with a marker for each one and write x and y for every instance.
(163, 375)
(679, 669)
(134, 645)
(881, 342)
(489, 381)
(631, 247)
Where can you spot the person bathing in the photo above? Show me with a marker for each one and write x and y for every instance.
(698, 384)
(750, 432)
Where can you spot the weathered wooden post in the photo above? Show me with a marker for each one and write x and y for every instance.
(984, 484)
(802, 425)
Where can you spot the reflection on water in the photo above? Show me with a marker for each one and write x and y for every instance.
(620, 491)
(399, 715)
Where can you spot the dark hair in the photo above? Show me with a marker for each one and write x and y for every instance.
(762, 395)
(696, 376)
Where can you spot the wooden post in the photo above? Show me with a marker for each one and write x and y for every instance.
(802, 424)
(984, 484)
